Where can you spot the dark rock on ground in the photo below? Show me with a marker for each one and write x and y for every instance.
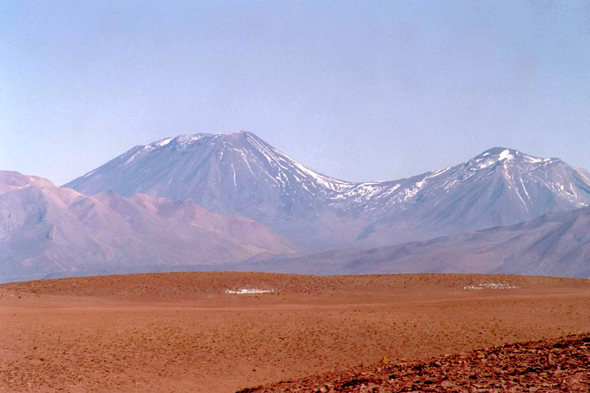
(561, 365)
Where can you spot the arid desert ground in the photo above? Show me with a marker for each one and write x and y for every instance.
(199, 332)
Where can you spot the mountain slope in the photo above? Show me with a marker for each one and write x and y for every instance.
(229, 174)
(241, 174)
(238, 228)
(556, 244)
(225, 173)
(49, 230)
(497, 188)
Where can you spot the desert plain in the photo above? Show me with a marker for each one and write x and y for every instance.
(223, 332)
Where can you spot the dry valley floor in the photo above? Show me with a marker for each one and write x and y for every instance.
(221, 332)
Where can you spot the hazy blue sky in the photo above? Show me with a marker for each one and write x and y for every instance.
(361, 90)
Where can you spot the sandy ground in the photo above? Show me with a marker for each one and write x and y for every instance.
(183, 332)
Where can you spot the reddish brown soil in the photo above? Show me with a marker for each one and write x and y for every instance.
(182, 332)
(561, 365)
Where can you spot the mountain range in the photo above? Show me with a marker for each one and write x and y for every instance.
(555, 244)
(49, 231)
(233, 202)
(241, 174)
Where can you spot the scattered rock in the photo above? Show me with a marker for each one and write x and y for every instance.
(548, 366)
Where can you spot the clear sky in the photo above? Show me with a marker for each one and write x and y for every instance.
(359, 90)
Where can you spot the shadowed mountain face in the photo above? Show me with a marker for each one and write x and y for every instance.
(241, 174)
(556, 244)
(47, 230)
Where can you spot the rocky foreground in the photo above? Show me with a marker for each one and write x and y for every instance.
(561, 365)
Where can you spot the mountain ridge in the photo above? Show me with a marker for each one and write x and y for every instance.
(46, 230)
(241, 174)
(556, 244)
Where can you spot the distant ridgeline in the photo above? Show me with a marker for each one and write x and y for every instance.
(233, 202)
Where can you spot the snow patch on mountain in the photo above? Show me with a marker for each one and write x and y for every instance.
(506, 155)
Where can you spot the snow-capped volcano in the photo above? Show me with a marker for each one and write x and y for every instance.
(227, 173)
(498, 187)
(525, 176)
(241, 174)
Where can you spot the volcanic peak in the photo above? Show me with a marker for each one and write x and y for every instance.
(189, 139)
(505, 156)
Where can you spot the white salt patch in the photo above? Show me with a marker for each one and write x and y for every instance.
(490, 286)
(249, 291)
